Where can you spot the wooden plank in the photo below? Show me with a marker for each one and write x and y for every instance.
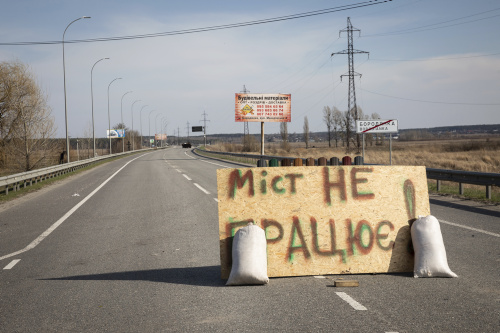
(325, 219)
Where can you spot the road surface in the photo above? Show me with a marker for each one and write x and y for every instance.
(132, 246)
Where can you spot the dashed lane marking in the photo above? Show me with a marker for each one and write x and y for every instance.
(12, 264)
(186, 176)
(351, 301)
(201, 188)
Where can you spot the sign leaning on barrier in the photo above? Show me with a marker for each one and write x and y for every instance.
(324, 220)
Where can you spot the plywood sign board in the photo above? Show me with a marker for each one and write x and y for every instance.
(324, 220)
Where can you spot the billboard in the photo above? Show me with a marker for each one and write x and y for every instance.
(160, 137)
(376, 126)
(263, 107)
(115, 133)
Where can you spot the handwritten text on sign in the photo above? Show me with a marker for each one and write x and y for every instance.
(324, 220)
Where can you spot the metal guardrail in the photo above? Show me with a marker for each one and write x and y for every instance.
(15, 181)
(461, 177)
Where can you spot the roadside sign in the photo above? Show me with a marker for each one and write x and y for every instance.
(376, 126)
(197, 128)
(263, 107)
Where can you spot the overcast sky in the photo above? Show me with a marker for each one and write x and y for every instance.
(431, 62)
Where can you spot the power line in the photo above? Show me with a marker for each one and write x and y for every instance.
(212, 28)
(422, 28)
(439, 59)
(432, 102)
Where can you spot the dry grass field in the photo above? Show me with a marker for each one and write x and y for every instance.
(480, 155)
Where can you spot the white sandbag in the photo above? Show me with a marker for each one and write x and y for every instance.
(430, 254)
(249, 257)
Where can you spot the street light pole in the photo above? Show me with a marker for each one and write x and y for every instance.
(149, 127)
(109, 118)
(132, 112)
(121, 113)
(92, 98)
(64, 75)
(140, 120)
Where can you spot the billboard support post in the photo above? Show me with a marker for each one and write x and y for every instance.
(261, 138)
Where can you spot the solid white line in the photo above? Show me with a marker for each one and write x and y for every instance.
(186, 176)
(201, 188)
(351, 301)
(12, 264)
(469, 228)
(53, 227)
(216, 199)
(214, 163)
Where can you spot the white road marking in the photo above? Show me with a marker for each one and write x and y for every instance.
(12, 264)
(201, 188)
(213, 163)
(216, 199)
(54, 226)
(351, 301)
(186, 176)
(469, 228)
(179, 171)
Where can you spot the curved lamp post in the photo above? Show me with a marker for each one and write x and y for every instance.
(121, 113)
(92, 98)
(149, 127)
(140, 120)
(64, 74)
(132, 112)
(109, 118)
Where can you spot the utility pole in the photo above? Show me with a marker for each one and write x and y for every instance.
(178, 135)
(204, 114)
(187, 128)
(246, 131)
(351, 100)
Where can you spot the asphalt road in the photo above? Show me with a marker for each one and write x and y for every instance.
(140, 253)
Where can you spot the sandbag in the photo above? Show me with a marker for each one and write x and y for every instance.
(430, 254)
(249, 257)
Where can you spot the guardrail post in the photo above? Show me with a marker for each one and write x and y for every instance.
(461, 188)
(297, 162)
(322, 161)
(488, 192)
(6, 189)
(438, 185)
(286, 162)
(310, 161)
(273, 162)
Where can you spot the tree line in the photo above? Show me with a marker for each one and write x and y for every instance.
(26, 123)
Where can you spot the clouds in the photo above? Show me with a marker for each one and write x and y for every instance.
(182, 76)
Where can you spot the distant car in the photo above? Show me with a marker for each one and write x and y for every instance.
(186, 145)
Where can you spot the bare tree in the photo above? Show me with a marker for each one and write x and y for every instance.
(337, 124)
(328, 119)
(26, 124)
(306, 131)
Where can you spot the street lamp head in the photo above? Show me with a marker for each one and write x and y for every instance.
(86, 17)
